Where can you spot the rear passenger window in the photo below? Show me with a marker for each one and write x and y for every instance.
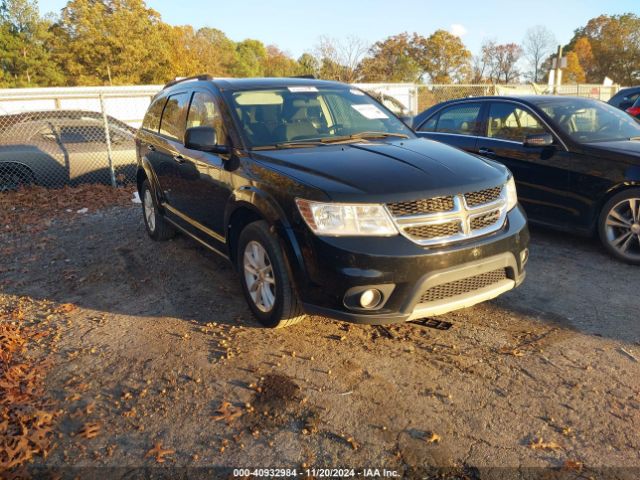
(151, 120)
(459, 119)
(507, 121)
(173, 117)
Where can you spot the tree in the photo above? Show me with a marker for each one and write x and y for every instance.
(574, 73)
(391, 60)
(308, 65)
(538, 44)
(582, 48)
(250, 59)
(339, 60)
(279, 64)
(24, 41)
(111, 42)
(615, 46)
(443, 57)
(500, 61)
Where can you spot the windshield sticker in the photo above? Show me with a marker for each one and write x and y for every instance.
(302, 89)
(369, 111)
(357, 92)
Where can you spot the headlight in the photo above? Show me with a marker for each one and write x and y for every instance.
(340, 219)
(512, 195)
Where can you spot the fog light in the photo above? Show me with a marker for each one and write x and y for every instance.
(370, 298)
(524, 256)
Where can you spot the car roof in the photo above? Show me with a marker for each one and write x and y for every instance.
(626, 90)
(260, 83)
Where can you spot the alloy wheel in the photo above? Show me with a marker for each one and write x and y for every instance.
(149, 211)
(622, 228)
(258, 275)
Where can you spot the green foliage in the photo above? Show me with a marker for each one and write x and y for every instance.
(392, 60)
(26, 60)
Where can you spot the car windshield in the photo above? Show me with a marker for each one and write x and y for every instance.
(307, 115)
(589, 121)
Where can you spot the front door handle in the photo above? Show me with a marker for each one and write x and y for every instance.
(151, 148)
(179, 158)
(486, 151)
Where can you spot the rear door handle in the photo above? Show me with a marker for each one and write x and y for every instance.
(179, 158)
(486, 151)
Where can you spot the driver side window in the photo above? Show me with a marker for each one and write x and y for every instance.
(507, 121)
(204, 112)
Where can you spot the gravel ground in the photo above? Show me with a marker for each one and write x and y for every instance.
(544, 380)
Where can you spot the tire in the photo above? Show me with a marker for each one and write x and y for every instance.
(619, 226)
(13, 176)
(157, 227)
(274, 301)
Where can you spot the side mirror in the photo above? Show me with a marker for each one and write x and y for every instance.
(203, 139)
(538, 140)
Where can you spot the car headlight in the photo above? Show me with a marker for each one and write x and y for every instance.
(512, 194)
(340, 219)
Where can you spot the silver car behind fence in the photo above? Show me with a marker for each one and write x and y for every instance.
(65, 147)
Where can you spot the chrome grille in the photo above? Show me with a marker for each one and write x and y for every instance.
(434, 231)
(463, 286)
(420, 207)
(447, 219)
(480, 197)
(485, 220)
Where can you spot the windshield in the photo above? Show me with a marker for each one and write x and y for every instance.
(588, 121)
(303, 114)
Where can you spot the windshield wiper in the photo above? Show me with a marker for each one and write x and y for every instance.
(300, 144)
(326, 140)
(378, 135)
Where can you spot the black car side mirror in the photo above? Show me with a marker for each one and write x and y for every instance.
(538, 140)
(203, 139)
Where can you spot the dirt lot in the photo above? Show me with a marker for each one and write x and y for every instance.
(157, 337)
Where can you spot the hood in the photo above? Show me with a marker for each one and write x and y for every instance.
(403, 169)
(630, 148)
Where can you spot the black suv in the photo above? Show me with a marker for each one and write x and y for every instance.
(325, 202)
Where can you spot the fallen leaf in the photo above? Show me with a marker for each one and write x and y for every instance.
(227, 412)
(65, 308)
(433, 438)
(90, 430)
(159, 452)
(511, 351)
(540, 444)
(574, 465)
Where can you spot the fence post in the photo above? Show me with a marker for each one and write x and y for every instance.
(107, 137)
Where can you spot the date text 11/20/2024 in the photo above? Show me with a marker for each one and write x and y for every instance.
(316, 472)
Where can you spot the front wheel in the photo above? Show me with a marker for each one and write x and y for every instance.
(619, 226)
(265, 278)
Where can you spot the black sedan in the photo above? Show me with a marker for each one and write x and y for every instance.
(576, 161)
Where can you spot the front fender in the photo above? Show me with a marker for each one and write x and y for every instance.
(265, 206)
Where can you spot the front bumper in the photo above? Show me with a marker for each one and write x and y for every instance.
(329, 269)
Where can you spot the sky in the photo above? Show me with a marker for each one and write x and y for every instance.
(295, 26)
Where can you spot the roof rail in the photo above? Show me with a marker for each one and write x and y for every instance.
(310, 77)
(204, 76)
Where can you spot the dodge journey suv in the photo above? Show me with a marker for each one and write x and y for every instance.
(325, 202)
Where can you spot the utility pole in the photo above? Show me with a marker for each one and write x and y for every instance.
(558, 75)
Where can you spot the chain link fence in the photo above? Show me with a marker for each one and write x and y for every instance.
(68, 136)
(57, 137)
